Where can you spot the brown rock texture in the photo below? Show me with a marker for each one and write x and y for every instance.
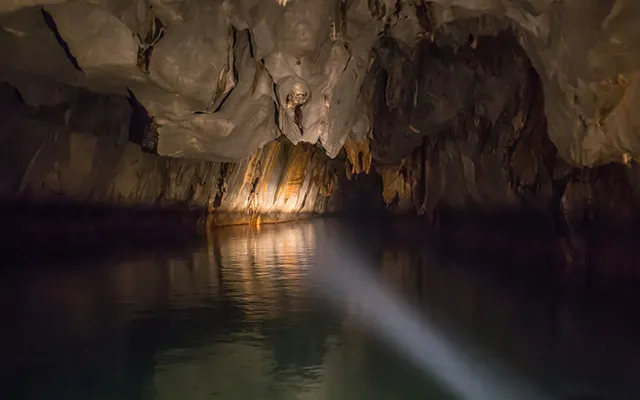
(80, 152)
(279, 182)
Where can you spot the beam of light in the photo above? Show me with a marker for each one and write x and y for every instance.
(343, 280)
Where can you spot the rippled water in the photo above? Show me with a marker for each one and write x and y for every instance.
(316, 310)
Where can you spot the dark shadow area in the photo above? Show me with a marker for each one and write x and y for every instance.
(48, 19)
(605, 268)
(79, 230)
(361, 196)
(141, 128)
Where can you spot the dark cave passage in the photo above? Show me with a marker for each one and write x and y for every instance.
(459, 181)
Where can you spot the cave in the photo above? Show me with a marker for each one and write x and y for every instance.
(176, 155)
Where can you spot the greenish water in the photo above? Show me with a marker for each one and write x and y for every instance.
(303, 311)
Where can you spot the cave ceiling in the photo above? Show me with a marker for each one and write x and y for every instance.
(221, 78)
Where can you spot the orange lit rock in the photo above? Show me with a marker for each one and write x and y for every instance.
(397, 186)
(280, 182)
(359, 155)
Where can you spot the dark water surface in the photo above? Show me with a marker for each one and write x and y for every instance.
(316, 310)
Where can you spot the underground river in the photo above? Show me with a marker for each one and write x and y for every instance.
(311, 310)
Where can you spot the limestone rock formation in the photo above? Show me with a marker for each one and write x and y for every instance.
(418, 106)
(80, 153)
(222, 78)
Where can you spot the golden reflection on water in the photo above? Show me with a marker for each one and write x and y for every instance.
(264, 268)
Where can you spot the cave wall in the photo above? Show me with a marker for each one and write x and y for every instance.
(497, 143)
(435, 106)
(80, 151)
(463, 127)
(481, 148)
(463, 131)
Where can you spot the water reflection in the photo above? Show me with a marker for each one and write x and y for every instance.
(247, 315)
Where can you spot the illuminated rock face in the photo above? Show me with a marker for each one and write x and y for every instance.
(223, 78)
(81, 152)
(278, 182)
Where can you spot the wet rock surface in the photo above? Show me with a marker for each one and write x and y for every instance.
(223, 78)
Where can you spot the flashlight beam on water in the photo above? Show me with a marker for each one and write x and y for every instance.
(343, 279)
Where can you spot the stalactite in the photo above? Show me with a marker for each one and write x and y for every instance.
(359, 155)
